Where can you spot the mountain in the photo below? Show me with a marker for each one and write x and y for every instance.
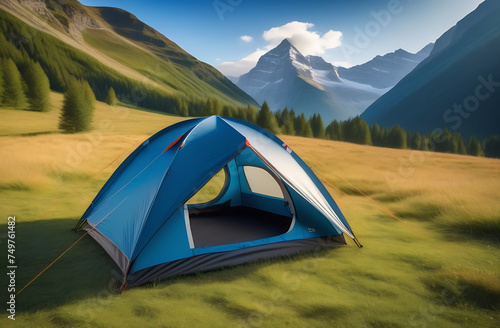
(233, 79)
(385, 71)
(456, 87)
(127, 47)
(284, 77)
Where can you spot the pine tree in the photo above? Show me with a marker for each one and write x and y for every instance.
(14, 92)
(183, 109)
(449, 144)
(267, 120)
(89, 97)
(293, 116)
(417, 141)
(279, 119)
(78, 107)
(334, 131)
(376, 134)
(111, 100)
(317, 126)
(425, 144)
(226, 111)
(216, 107)
(287, 127)
(251, 114)
(241, 113)
(1, 83)
(357, 130)
(474, 148)
(264, 115)
(297, 125)
(460, 144)
(302, 127)
(492, 147)
(397, 138)
(207, 109)
(38, 87)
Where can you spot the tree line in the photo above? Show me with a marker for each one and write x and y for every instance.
(23, 87)
(357, 130)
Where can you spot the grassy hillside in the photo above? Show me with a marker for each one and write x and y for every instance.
(163, 84)
(430, 235)
(168, 57)
(171, 77)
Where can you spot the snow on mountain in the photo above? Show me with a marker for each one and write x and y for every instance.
(284, 77)
(386, 71)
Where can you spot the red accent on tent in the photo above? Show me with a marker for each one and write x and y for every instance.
(247, 143)
(173, 143)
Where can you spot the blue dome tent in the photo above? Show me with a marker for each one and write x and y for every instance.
(271, 203)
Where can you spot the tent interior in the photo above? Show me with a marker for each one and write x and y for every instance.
(240, 203)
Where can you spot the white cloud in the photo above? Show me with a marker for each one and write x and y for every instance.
(246, 38)
(306, 41)
(242, 66)
(298, 33)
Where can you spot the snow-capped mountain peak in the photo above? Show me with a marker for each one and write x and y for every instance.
(285, 77)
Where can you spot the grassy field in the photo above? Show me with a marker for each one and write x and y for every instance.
(429, 223)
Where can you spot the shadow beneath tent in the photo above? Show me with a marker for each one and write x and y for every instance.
(85, 271)
(232, 273)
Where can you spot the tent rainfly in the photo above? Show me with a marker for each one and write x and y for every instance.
(271, 203)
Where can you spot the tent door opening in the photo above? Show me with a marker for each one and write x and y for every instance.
(264, 209)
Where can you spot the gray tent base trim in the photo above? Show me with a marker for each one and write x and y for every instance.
(116, 254)
(213, 261)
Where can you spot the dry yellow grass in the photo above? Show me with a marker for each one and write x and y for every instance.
(412, 184)
(33, 145)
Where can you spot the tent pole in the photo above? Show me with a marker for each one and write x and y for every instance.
(79, 225)
(356, 241)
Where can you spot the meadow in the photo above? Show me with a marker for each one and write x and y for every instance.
(429, 223)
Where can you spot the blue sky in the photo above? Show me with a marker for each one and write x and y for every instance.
(233, 34)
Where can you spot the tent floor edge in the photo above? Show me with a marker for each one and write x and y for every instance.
(215, 261)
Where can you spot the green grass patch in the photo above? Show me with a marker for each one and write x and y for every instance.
(484, 229)
(419, 211)
(395, 197)
(467, 287)
(321, 312)
(229, 307)
(15, 186)
(145, 311)
(353, 190)
(420, 263)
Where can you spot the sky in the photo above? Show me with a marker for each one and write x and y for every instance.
(232, 34)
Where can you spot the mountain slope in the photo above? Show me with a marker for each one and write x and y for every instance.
(385, 71)
(127, 25)
(119, 40)
(284, 77)
(456, 87)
